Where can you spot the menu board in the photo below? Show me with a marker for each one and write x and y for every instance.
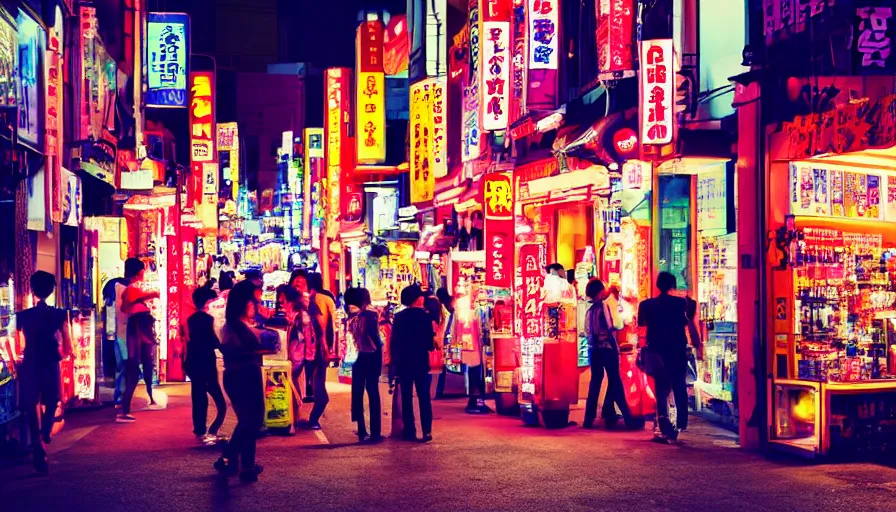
(817, 191)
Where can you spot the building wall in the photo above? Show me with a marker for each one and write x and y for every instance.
(268, 105)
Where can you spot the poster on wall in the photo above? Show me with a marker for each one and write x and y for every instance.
(32, 44)
(167, 59)
(816, 191)
(9, 51)
(836, 192)
(809, 190)
(712, 200)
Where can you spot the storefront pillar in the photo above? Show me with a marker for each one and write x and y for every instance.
(750, 277)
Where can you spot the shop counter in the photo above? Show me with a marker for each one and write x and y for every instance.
(836, 419)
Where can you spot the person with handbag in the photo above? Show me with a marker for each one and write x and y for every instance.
(668, 320)
(602, 322)
(411, 343)
(363, 329)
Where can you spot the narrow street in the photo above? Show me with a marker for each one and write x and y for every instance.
(475, 463)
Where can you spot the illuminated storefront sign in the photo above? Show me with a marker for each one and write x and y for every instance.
(497, 204)
(544, 22)
(530, 316)
(314, 154)
(471, 126)
(496, 59)
(32, 43)
(203, 157)
(370, 130)
(625, 141)
(519, 34)
(439, 127)
(167, 59)
(422, 178)
(615, 35)
(9, 51)
(54, 109)
(657, 78)
(229, 140)
(337, 85)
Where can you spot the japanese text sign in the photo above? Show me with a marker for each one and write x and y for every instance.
(202, 117)
(874, 29)
(439, 146)
(471, 126)
(167, 58)
(336, 108)
(544, 39)
(494, 88)
(497, 195)
(615, 35)
(529, 295)
(370, 131)
(422, 178)
(497, 201)
(657, 78)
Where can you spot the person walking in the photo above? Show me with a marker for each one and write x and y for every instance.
(363, 328)
(322, 311)
(242, 351)
(139, 334)
(412, 340)
(201, 365)
(40, 329)
(602, 322)
(666, 321)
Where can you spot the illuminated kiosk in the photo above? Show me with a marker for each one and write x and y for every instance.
(832, 305)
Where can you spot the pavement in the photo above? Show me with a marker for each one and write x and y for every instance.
(486, 463)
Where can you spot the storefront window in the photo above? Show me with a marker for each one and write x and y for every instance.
(675, 228)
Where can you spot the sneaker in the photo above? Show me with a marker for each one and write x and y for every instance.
(426, 438)
(309, 425)
(155, 407)
(208, 439)
(125, 418)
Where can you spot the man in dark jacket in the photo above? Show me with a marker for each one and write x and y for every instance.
(201, 365)
(412, 340)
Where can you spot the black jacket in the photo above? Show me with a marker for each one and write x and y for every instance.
(412, 340)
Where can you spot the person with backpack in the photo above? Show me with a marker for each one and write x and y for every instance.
(363, 328)
(602, 322)
(666, 321)
(40, 329)
(201, 365)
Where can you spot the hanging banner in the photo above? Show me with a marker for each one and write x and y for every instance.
(32, 44)
(396, 46)
(497, 205)
(471, 126)
(529, 286)
(496, 59)
(202, 117)
(422, 178)
(520, 61)
(167, 59)
(439, 102)
(54, 109)
(370, 128)
(544, 22)
(336, 110)
(657, 80)
(615, 36)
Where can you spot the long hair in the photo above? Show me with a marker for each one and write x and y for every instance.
(239, 299)
(433, 309)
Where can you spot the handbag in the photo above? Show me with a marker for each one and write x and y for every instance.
(650, 362)
(436, 360)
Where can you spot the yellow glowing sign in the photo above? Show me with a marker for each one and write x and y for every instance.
(336, 86)
(229, 140)
(370, 132)
(439, 127)
(422, 177)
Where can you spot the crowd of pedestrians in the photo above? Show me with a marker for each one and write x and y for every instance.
(667, 325)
